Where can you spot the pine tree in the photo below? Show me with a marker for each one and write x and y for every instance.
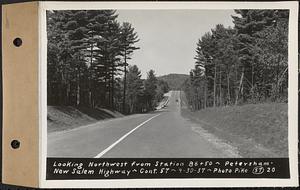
(272, 45)
(76, 31)
(150, 90)
(85, 52)
(135, 88)
(64, 67)
(248, 24)
(162, 88)
(215, 63)
(128, 38)
(108, 60)
(198, 77)
(247, 63)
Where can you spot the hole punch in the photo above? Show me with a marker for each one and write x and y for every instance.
(17, 42)
(15, 144)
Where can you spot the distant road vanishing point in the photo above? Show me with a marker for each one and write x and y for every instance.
(161, 134)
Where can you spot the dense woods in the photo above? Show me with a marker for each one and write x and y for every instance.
(88, 55)
(244, 64)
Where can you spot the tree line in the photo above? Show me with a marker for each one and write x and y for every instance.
(87, 63)
(244, 64)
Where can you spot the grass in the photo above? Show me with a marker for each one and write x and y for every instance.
(258, 130)
(60, 118)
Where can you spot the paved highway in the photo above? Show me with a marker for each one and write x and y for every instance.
(161, 134)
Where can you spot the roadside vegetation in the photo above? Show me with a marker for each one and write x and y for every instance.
(238, 88)
(244, 64)
(88, 63)
(61, 118)
(257, 130)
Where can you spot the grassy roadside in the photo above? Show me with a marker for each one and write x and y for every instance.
(61, 118)
(257, 130)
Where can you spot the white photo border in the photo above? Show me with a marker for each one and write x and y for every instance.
(184, 182)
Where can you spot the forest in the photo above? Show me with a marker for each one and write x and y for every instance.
(247, 63)
(174, 81)
(88, 63)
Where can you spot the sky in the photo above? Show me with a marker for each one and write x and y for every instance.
(168, 37)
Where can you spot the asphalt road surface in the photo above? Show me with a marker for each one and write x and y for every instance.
(161, 134)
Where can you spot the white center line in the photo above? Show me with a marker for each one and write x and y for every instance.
(123, 137)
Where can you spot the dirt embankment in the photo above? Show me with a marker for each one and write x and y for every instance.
(257, 130)
(61, 118)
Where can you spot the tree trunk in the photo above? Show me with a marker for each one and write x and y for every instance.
(277, 76)
(215, 79)
(228, 89)
(131, 106)
(205, 93)
(124, 90)
(90, 81)
(59, 99)
(78, 88)
(220, 86)
(236, 81)
(68, 93)
(252, 75)
(90, 99)
(106, 89)
(239, 89)
(112, 87)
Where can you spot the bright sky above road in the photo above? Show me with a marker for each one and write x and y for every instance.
(168, 37)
